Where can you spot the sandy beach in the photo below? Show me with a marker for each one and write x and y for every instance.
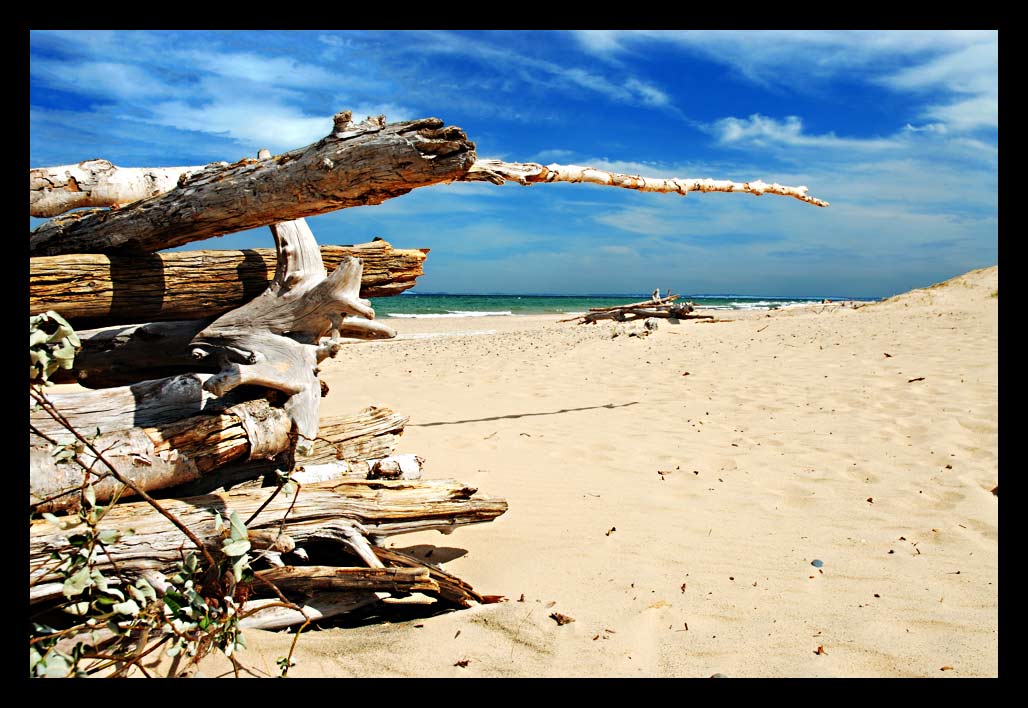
(795, 493)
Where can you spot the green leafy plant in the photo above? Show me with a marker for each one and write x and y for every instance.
(52, 345)
(109, 621)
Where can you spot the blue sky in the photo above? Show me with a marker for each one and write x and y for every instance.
(898, 130)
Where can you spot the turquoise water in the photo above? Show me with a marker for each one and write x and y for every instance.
(440, 305)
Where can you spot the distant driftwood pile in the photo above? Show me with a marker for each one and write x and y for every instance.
(664, 307)
(203, 366)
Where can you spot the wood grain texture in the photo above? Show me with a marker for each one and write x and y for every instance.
(98, 183)
(164, 448)
(381, 507)
(355, 165)
(96, 290)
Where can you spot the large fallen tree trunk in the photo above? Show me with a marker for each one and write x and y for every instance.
(170, 454)
(94, 290)
(355, 165)
(374, 509)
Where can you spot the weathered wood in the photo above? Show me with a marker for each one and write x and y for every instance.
(141, 405)
(98, 183)
(269, 614)
(157, 457)
(667, 299)
(498, 172)
(347, 446)
(451, 588)
(382, 507)
(313, 579)
(94, 290)
(275, 339)
(120, 356)
(661, 307)
(355, 165)
(167, 449)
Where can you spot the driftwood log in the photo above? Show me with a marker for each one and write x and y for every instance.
(663, 307)
(275, 339)
(352, 512)
(95, 290)
(355, 165)
(184, 450)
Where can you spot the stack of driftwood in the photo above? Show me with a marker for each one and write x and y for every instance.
(202, 370)
(664, 307)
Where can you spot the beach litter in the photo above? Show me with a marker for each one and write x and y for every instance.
(560, 619)
(817, 563)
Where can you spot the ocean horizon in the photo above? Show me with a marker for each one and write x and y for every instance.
(438, 305)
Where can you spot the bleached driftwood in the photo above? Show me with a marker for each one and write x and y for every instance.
(121, 356)
(96, 290)
(163, 453)
(156, 457)
(662, 307)
(347, 446)
(98, 183)
(269, 613)
(355, 165)
(378, 508)
(275, 339)
(498, 172)
(141, 405)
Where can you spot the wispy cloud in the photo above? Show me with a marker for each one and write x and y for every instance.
(528, 69)
(762, 131)
(958, 70)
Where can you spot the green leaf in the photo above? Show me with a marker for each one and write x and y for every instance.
(238, 567)
(65, 523)
(173, 600)
(108, 536)
(235, 548)
(37, 337)
(129, 607)
(64, 453)
(145, 589)
(56, 666)
(90, 495)
(238, 527)
(77, 608)
(77, 583)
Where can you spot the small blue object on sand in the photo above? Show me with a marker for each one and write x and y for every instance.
(816, 563)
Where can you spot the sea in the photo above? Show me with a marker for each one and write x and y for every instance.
(440, 305)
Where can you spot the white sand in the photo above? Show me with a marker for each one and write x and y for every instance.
(793, 438)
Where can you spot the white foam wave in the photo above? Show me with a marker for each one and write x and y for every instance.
(450, 314)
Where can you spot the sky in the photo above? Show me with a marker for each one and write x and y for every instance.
(897, 129)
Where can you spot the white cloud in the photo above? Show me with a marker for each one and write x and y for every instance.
(762, 131)
(532, 70)
(255, 124)
(958, 68)
(108, 79)
(261, 70)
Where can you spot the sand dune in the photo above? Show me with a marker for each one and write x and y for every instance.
(864, 438)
